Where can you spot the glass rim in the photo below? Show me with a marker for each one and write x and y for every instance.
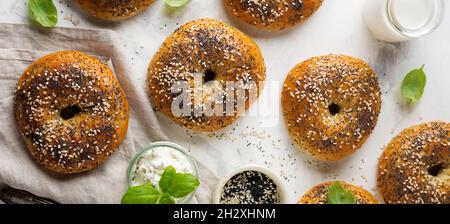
(431, 25)
(154, 145)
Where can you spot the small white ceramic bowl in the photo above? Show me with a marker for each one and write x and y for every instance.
(269, 173)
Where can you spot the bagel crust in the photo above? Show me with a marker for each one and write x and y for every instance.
(114, 9)
(71, 112)
(319, 194)
(194, 49)
(272, 15)
(331, 105)
(415, 166)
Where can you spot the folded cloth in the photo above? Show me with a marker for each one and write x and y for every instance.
(20, 45)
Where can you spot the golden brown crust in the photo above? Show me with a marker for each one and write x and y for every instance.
(64, 141)
(272, 14)
(318, 194)
(331, 105)
(415, 166)
(195, 48)
(114, 9)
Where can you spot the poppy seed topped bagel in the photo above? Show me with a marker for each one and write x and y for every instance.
(71, 112)
(272, 14)
(415, 166)
(208, 56)
(331, 105)
(319, 194)
(114, 9)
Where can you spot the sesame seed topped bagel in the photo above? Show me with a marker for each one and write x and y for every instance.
(415, 166)
(114, 9)
(71, 112)
(207, 55)
(319, 194)
(331, 105)
(272, 14)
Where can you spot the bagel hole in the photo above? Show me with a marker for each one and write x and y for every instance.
(434, 170)
(334, 109)
(70, 112)
(210, 75)
(34, 137)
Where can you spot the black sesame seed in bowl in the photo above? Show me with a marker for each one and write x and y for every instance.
(250, 184)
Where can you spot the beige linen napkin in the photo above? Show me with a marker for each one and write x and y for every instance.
(20, 45)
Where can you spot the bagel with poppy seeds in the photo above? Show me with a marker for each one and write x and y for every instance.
(331, 105)
(272, 15)
(206, 55)
(319, 194)
(114, 9)
(415, 166)
(71, 112)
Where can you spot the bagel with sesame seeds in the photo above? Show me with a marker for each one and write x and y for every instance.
(71, 112)
(207, 56)
(415, 166)
(272, 15)
(114, 9)
(319, 194)
(331, 105)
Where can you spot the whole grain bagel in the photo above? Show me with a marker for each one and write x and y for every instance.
(415, 166)
(272, 15)
(71, 112)
(331, 105)
(319, 194)
(217, 54)
(114, 9)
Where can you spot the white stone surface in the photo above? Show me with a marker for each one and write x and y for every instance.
(337, 28)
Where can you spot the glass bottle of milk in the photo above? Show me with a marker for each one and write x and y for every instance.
(401, 20)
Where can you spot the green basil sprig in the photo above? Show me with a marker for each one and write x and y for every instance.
(172, 185)
(43, 12)
(338, 195)
(177, 3)
(413, 85)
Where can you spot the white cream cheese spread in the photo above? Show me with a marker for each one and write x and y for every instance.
(151, 164)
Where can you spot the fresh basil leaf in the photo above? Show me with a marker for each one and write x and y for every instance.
(166, 177)
(182, 184)
(176, 3)
(166, 199)
(143, 194)
(172, 184)
(338, 195)
(43, 12)
(413, 84)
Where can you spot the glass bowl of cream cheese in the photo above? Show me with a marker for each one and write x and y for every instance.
(148, 165)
